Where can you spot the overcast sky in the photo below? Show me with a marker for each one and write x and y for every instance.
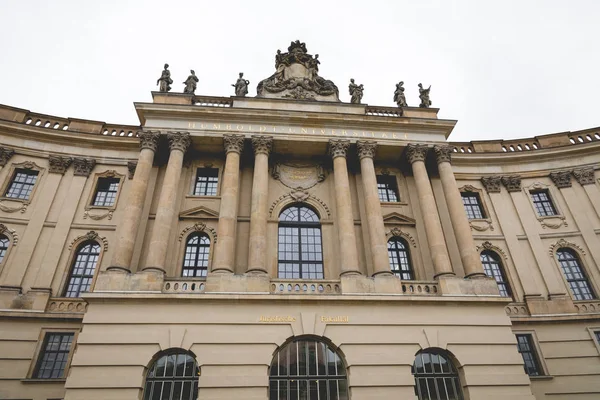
(503, 69)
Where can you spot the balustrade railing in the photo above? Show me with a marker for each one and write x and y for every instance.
(183, 286)
(517, 310)
(66, 305)
(211, 101)
(295, 286)
(420, 288)
(587, 307)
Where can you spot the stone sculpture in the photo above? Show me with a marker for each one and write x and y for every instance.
(356, 92)
(399, 97)
(241, 86)
(165, 80)
(190, 83)
(424, 96)
(297, 76)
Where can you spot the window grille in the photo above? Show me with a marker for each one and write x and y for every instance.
(493, 269)
(83, 269)
(307, 369)
(106, 192)
(173, 376)
(400, 258)
(387, 188)
(473, 206)
(436, 377)
(542, 203)
(530, 358)
(206, 182)
(300, 254)
(54, 356)
(22, 184)
(575, 275)
(195, 261)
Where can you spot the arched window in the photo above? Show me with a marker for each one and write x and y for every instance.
(195, 261)
(400, 258)
(173, 376)
(307, 369)
(4, 242)
(436, 377)
(300, 252)
(573, 271)
(493, 268)
(83, 269)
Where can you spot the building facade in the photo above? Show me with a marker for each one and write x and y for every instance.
(295, 247)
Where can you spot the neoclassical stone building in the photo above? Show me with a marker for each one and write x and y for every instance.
(292, 246)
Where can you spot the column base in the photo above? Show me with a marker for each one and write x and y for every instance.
(154, 269)
(383, 273)
(117, 268)
(476, 275)
(444, 275)
(256, 272)
(222, 271)
(350, 273)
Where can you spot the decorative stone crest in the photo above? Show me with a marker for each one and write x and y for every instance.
(83, 166)
(562, 179)
(91, 235)
(487, 245)
(338, 147)
(262, 144)
(491, 183)
(512, 183)
(298, 175)
(299, 195)
(443, 153)
(179, 141)
(199, 227)
(585, 176)
(366, 148)
(149, 140)
(234, 143)
(131, 166)
(5, 155)
(297, 77)
(59, 164)
(397, 232)
(563, 243)
(416, 152)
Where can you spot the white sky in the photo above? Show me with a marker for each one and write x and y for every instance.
(503, 69)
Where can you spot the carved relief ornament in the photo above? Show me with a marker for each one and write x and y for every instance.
(149, 140)
(83, 166)
(487, 245)
(491, 183)
(5, 230)
(131, 166)
(585, 176)
(443, 153)
(297, 195)
(199, 227)
(338, 148)
(5, 155)
(233, 143)
(563, 243)
(562, 179)
(397, 232)
(91, 235)
(512, 183)
(59, 164)
(179, 141)
(416, 152)
(298, 176)
(366, 148)
(262, 144)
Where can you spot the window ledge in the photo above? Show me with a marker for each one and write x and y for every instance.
(393, 203)
(15, 199)
(92, 207)
(47, 380)
(193, 196)
(541, 377)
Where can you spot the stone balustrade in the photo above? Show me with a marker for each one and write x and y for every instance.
(517, 310)
(66, 305)
(587, 307)
(213, 101)
(183, 286)
(295, 286)
(420, 288)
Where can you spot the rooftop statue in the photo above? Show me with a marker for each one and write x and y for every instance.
(424, 96)
(190, 83)
(297, 76)
(356, 92)
(241, 86)
(399, 97)
(165, 80)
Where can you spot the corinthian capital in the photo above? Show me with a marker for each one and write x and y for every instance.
(179, 141)
(512, 183)
(59, 164)
(443, 153)
(262, 144)
(83, 166)
(562, 179)
(585, 176)
(366, 148)
(149, 140)
(416, 152)
(491, 183)
(233, 143)
(5, 155)
(338, 147)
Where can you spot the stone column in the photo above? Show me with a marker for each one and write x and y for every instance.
(128, 229)
(433, 227)
(225, 248)
(460, 223)
(257, 252)
(345, 220)
(379, 253)
(165, 212)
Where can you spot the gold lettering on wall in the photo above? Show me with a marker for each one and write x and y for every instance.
(343, 319)
(276, 318)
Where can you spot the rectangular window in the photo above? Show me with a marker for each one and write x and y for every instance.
(542, 203)
(472, 204)
(597, 333)
(527, 350)
(106, 192)
(206, 182)
(387, 188)
(22, 184)
(54, 356)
